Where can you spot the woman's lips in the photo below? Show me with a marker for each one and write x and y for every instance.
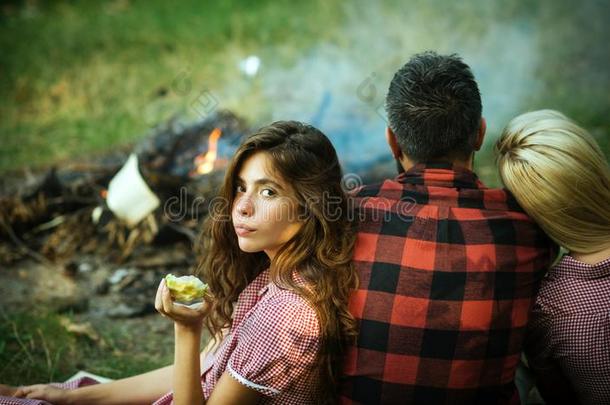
(242, 230)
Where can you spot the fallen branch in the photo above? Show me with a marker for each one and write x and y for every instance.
(24, 248)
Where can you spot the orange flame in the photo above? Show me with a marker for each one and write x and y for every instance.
(204, 162)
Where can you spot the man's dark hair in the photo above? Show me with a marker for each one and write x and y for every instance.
(434, 107)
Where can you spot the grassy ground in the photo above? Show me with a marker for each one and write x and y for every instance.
(110, 70)
(38, 348)
(30, 354)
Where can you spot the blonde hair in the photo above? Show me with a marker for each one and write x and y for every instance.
(560, 176)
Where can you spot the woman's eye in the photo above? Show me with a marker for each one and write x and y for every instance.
(240, 189)
(267, 192)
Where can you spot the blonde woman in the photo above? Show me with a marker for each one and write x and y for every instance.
(561, 178)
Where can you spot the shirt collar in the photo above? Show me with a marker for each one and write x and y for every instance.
(272, 287)
(441, 174)
(573, 268)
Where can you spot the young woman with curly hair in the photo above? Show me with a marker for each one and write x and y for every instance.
(278, 247)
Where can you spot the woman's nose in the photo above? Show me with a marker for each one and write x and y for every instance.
(244, 206)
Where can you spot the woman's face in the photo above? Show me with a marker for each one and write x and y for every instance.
(264, 211)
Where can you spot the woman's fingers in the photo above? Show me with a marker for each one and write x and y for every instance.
(8, 390)
(23, 391)
(166, 299)
(32, 391)
(45, 392)
(183, 313)
(159, 298)
(165, 305)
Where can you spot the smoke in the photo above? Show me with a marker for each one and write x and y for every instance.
(339, 85)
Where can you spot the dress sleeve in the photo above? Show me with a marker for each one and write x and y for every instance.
(538, 340)
(277, 345)
(552, 383)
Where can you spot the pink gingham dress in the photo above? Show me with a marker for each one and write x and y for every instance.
(271, 346)
(569, 333)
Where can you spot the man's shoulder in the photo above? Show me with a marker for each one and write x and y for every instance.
(493, 199)
(441, 216)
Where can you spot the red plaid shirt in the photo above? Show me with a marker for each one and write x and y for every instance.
(448, 272)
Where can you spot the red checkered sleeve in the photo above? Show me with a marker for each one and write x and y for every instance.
(277, 345)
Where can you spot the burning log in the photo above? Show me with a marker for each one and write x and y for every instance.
(77, 208)
(204, 163)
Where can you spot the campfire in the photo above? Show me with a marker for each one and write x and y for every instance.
(122, 201)
(204, 163)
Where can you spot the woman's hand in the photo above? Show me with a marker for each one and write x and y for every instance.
(54, 395)
(191, 318)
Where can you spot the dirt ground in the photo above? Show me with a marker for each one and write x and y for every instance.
(95, 306)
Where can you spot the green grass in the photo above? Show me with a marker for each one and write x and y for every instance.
(37, 348)
(80, 77)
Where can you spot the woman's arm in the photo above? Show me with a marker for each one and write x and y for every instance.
(229, 391)
(187, 371)
(187, 361)
(140, 389)
(187, 386)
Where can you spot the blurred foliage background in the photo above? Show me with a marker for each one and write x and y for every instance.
(82, 77)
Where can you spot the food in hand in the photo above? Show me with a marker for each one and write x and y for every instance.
(185, 288)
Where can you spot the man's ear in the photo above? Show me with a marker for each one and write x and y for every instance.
(480, 134)
(391, 139)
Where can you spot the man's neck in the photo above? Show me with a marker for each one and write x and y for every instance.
(407, 163)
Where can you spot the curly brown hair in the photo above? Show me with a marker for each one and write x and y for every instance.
(321, 251)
